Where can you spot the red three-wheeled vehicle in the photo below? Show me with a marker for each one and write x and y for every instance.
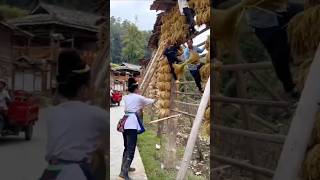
(21, 115)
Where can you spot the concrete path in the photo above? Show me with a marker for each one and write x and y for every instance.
(23, 160)
(116, 149)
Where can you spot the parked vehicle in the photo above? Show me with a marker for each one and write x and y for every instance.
(21, 115)
(116, 97)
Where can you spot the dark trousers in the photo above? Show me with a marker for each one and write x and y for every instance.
(275, 40)
(189, 13)
(130, 137)
(197, 77)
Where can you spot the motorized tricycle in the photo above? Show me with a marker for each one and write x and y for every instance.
(21, 115)
(116, 97)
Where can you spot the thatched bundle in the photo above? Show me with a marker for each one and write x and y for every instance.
(304, 38)
(202, 9)
(304, 33)
(312, 164)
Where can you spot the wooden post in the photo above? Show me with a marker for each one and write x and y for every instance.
(194, 133)
(171, 135)
(293, 152)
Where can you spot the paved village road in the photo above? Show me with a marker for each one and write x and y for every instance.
(116, 149)
(23, 160)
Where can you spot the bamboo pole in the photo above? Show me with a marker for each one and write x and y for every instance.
(245, 101)
(273, 138)
(149, 74)
(244, 165)
(194, 133)
(293, 152)
(188, 104)
(246, 66)
(166, 118)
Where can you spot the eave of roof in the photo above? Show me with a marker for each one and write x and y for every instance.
(59, 15)
(16, 30)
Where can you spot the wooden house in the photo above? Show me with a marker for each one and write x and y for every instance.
(55, 28)
(12, 36)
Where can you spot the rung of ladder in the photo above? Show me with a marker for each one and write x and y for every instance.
(246, 66)
(273, 138)
(184, 103)
(183, 113)
(185, 82)
(245, 101)
(244, 165)
(184, 93)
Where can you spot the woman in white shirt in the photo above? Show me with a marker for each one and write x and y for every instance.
(75, 129)
(133, 125)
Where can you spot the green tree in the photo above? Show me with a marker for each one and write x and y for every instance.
(134, 44)
(8, 12)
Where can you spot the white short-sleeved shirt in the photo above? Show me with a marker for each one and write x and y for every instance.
(182, 4)
(74, 130)
(3, 96)
(133, 103)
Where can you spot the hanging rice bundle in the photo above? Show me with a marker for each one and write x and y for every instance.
(194, 58)
(303, 35)
(303, 32)
(224, 24)
(164, 69)
(302, 72)
(202, 9)
(164, 113)
(208, 60)
(205, 72)
(174, 28)
(165, 77)
(164, 104)
(179, 69)
(206, 123)
(315, 139)
(312, 164)
(164, 86)
(310, 3)
(164, 95)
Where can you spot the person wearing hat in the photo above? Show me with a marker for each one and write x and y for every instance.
(4, 95)
(133, 125)
(75, 129)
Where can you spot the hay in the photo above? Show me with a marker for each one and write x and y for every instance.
(224, 25)
(164, 104)
(312, 164)
(205, 72)
(202, 9)
(303, 32)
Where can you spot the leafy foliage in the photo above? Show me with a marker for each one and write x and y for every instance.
(7, 12)
(128, 43)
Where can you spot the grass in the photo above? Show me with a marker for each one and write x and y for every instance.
(151, 157)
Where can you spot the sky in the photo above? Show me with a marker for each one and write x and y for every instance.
(128, 9)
